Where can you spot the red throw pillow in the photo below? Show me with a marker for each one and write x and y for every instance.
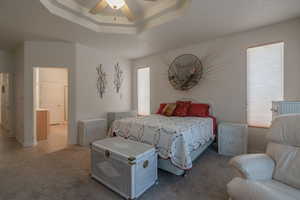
(198, 110)
(161, 108)
(182, 108)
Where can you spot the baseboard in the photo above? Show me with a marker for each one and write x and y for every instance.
(29, 144)
(19, 141)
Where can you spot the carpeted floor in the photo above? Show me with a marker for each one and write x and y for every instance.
(33, 174)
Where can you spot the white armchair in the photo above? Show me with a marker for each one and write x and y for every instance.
(274, 175)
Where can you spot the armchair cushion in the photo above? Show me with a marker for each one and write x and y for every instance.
(254, 166)
(261, 190)
(285, 130)
(287, 158)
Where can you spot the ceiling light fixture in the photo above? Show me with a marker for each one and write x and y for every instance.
(116, 4)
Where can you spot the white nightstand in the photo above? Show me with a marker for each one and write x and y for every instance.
(112, 116)
(232, 138)
(91, 130)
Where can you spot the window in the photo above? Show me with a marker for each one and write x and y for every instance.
(264, 82)
(143, 84)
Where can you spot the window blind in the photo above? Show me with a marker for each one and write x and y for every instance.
(264, 82)
(143, 84)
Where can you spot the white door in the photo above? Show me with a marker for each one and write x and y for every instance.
(5, 102)
(52, 97)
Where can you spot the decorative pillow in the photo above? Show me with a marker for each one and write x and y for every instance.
(169, 109)
(161, 108)
(182, 108)
(198, 110)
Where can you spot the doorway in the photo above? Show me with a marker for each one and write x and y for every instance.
(51, 107)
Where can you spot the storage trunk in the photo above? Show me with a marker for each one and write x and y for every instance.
(127, 167)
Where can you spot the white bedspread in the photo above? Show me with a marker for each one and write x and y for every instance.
(174, 137)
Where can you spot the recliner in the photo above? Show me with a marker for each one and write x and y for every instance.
(274, 175)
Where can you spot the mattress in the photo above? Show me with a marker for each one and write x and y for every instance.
(175, 138)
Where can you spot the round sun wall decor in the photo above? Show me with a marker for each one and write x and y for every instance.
(185, 72)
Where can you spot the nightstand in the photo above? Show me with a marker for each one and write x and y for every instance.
(112, 116)
(91, 130)
(232, 138)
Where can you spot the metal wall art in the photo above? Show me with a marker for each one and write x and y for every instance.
(101, 81)
(118, 78)
(185, 72)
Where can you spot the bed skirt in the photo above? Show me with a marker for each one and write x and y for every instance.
(166, 165)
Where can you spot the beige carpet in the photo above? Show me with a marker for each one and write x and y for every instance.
(64, 175)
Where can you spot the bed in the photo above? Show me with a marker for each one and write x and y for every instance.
(178, 140)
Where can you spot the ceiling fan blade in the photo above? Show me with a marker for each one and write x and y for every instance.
(128, 13)
(100, 6)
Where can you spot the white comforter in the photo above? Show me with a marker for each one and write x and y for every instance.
(174, 137)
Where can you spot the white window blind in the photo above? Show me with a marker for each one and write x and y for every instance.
(143, 84)
(264, 82)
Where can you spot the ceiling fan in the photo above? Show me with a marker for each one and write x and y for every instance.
(116, 5)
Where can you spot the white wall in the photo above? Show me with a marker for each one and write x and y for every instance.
(19, 94)
(224, 82)
(88, 103)
(47, 54)
(6, 62)
(81, 63)
(53, 75)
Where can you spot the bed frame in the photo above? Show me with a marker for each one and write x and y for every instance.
(167, 165)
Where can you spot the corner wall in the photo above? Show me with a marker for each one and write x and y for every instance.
(47, 54)
(81, 63)
(224, 81)
(19, 94)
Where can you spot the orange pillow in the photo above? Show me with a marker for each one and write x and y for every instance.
(169, 109)
(161, 108)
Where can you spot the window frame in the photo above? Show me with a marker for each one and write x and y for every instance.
(283, 80)
(137, 89)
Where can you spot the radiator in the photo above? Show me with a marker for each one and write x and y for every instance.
(91, 130)
(285, 107)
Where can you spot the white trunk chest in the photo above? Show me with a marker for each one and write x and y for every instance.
(127, 167)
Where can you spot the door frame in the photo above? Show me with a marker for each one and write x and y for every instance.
(35, 103)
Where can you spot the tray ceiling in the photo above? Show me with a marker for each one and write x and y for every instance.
(148, 14)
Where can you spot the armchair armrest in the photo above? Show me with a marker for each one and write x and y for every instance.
(254, 166)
